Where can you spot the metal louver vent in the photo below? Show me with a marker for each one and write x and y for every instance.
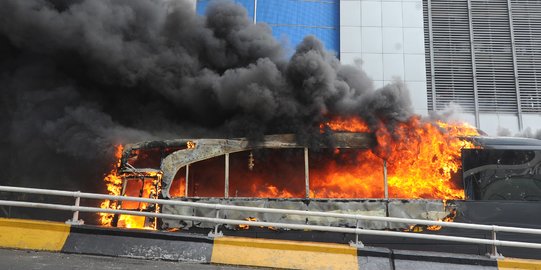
(452, 65)
(504, 76)
(527, 32)
(493, 56)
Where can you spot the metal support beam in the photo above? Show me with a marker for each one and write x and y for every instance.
(515, 67)
(216, 233)
(124, 185)
(431, 51)
(187, 180)
(385, 183)
(75, 219)
(474, 68)
(255, 11)
(226, 189)
(494, 254)
(306, 173)
(357, 243)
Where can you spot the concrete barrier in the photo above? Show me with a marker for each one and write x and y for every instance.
(32, 234)
(283, 254)
(138, 244)
(84, 239)
(511, 263)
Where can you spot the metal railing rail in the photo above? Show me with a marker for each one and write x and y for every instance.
(219, 221)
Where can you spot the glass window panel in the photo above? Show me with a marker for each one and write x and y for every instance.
(312, 13)
(492, 174)
(292, 20)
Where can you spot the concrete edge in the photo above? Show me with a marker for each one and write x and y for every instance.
(33, 234)
(513, 263)
(95, 240)
(138, 244)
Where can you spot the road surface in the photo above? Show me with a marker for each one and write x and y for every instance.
(23, 260)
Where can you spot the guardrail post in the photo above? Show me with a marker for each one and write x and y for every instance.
(216, 233)
(357, 243)
(494, 249)
(226, 185)
(306, 173)
(75, 219)
(187, 181)
(385, 183)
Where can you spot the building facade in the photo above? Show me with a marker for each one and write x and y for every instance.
(292, 20)
(483, 55)
(386, 39)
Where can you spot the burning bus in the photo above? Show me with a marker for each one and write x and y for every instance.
(424, 170)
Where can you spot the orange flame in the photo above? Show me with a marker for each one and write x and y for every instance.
(271, 191)
(114, 185)
(178, 188)
(346, 124)
(422, 159)
(245, 226)
(449, 218)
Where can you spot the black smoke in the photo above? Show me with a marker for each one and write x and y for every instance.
(78, 77)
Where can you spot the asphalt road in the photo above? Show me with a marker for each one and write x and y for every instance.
(24, 260)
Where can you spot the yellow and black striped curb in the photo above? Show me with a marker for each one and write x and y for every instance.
(60, 237)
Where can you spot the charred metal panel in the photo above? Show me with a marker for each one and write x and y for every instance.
(417, 209)
(496, 174)
(209, 148)
(177, 210)
(230, 214)
(369, 208)
(421, 209)
(504, 213)
(526, 214)
(285, 204)
(506, 143)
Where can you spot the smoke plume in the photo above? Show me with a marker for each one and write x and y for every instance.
(526, 133)
(78, 77)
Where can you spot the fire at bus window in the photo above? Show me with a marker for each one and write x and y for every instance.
(145, 158)
(139, 183)
(494, 174)
(267, 173)
(150, 157)
(206, 178)
(345, 173)
(178, 186)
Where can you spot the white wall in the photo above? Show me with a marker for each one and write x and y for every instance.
(386, 37)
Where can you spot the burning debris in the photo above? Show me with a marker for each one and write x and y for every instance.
(423, 162)
(114, 185)
(144, 183)
(493, 168)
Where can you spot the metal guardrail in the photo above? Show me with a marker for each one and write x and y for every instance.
(76, 208)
